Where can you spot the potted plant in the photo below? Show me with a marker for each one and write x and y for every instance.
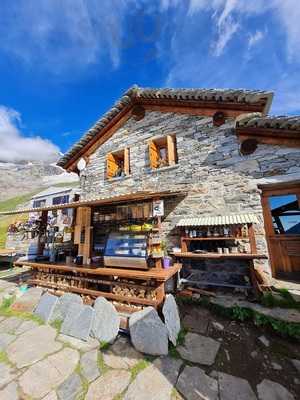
(166, 259)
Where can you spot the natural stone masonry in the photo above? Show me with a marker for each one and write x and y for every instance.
(51, 396)
(172, 318)
(26, 326)
(9, 325)
(32, 346)
(49, 373)
(233, 388)
(121, 355)
(148, 333)
(7, 374)
(199, 349)
(46, 306)
(10, 392)
(109, 385)
(5, 340)
(28, 301)
(78, 344)
(78, 321)
(89, 365)
(269, 390)
(106, 321)
(63, 305)
(71, 388)
(194, 384)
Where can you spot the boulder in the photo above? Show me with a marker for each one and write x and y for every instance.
(78, 321)
(46, 306)
(63, 304)
(148, 333)
(172, 319)
(106, 322)
(269, 390)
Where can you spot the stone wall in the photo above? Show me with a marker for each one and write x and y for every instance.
(218, 179)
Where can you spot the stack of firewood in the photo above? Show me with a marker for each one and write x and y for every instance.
(134, 292)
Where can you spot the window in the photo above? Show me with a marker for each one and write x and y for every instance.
(285, 213)
(163, 152)
(60, 200)
(39, 203)
(118, 164)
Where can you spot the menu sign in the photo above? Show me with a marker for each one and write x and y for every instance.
(158, 208)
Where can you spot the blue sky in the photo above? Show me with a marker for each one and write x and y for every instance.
(64, 62)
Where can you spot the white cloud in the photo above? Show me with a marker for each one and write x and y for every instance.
(255, 38)
(63, 35)
(16, 147)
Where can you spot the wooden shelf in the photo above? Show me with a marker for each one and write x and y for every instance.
(158, 274)
(214, 238)
(110, 296)
(241, 256)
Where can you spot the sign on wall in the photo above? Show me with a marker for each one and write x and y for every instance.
(158, 208)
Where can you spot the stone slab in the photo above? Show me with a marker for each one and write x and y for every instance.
(46, 306)
(199, 349)
(9, 325)
(169, 367)
(89, 365)
(26, 326)
(28, 301)
(121, 355)
(106, 322)
(7, 374)
(49, 373)
(148, 333)
(194, 384)
(71, 388)
(5, 340)
(4, 285)
(51, 396)
(78, 321)
(195, 325)
(269, 390)
(172, 319)
(32, 346)
(78, 344)
(109, 385)
(234, 388)
(10, 392)
(63, 305)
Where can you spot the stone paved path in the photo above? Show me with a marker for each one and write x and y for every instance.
(37, 363)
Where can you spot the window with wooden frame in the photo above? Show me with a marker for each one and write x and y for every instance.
(118, 164)
(163, 152)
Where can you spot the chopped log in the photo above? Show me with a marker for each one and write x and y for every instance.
(202, 291)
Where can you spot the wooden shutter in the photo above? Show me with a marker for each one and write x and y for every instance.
(111, 166)
(126, 161)
(153, 154)
(172, 153)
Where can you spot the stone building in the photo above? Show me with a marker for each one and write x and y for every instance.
(216, 147)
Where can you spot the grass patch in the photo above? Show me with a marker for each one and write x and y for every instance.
(282, 299)
(104, 345)
(173, 352)
(101, 364)
(3, 357)
(5, 311)
(137, 368)
(56, 324)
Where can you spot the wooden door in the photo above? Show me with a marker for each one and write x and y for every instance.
(281, 207)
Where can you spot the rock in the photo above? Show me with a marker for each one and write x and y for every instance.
(254, 354)
(62, 306)
(199, 349)
(109, 385)
(172, 319)
(10, 324)
(32, 346)
(7, 374)
(296, 381)
(51, 396)
(26, 326)
(148, 333)
(269, 390)
(121, 355)
(264, 341)
(296, 364)
(49, 373)
(71, 388)
(106, 322)
(28, 301)
(89, 365)
(276, 366)
(217, 326)
(4, 285)
(194, 384)
(155, 382)
(10, 392)
(78, 344)
(195, 325)
(234, 388)
(5, 340)
(46, 306)
(78, 321)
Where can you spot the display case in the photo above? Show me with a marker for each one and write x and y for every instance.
(126, 249)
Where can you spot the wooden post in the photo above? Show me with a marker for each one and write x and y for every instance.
(252, 240)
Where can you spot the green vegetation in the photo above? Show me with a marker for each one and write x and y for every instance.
(56, 324)
(137, 368)
(104, 345)
(6, 311)
(3, 357)
(101, 364)
(281, 298)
